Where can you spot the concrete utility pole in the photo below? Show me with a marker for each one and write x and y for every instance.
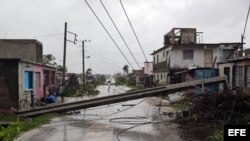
(83, 65)
(64, 54)
(64, 51)
(83, 62)
(64, 57)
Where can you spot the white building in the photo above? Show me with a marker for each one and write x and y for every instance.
(180, 53)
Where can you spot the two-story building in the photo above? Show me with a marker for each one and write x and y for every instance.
(181, 51)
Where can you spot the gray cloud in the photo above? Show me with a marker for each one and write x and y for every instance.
(220, 20)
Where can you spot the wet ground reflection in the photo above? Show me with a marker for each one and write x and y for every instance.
(137, 120)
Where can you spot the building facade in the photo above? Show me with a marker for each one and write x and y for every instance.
(181, 52)
(20, 79)
(237, 72)
(22, 72)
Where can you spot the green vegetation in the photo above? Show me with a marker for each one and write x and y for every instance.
(120, 79)
(181, 106)
(100, 79)
(18, 125)
(127, 80)
(134, 88)
(69, 93)
(88, 89)
(49, 59)
(217, 135)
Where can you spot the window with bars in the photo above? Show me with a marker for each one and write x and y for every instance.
(248, 76)
(228, 54)
(53, 74)
(238, 73)
(188, 54)
(37, 79)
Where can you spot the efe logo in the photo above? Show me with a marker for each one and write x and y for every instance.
(236, 132)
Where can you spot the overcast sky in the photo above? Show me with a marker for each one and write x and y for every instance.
(220, 20)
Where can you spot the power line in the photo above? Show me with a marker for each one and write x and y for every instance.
(47, 35)
(134, 32)
(106, 58)
(105, 61)
(119, 33)
(108, 34)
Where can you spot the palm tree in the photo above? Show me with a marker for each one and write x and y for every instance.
(89, 76)
(125, 69)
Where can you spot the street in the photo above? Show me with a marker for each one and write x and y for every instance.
(127, 121)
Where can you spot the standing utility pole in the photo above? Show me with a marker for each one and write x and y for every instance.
(83, 65)
(83, 62)
(64, 58)
(64, 54)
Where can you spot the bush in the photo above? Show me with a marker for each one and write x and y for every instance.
(218, 135)
(15, 128)
(89, 89)
(128, 80)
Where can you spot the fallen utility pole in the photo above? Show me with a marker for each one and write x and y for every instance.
(83, 104)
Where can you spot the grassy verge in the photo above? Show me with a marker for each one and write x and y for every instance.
(134, 88)
(181, 106)
(18, 125)
(217, 135)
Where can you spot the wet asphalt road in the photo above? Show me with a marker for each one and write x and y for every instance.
(137, 120)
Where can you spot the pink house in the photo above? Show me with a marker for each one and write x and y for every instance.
(21, 79)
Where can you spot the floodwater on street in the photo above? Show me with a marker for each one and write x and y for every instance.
(136, 120)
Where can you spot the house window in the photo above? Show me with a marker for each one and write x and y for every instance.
(37, 79)
(154, 60)
(227, 73)
(46, 77)
(163, 54)
(28, 80)
(248, 77)
(52, 78)
(188, 54)
(238, 73)
(157, 59)
(228, 54)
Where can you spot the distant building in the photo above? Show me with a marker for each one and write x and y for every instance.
(144, 76)
(148, 68)
(181, 52)
(139, 76)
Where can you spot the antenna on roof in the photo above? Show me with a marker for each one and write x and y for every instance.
(243, 34)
